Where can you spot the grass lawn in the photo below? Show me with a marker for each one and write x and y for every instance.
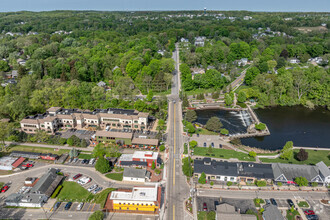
(37, 149)
(313, 158)
(1, 184)
(291, 215)
(204, 131)
(85, 156)
(115, 176)
(101, 197)
(72, 191)
(222, 153)
(258, 204)
(202, 215)
(303, 204)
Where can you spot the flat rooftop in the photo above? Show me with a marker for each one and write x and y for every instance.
(145, 155)
(137, 194)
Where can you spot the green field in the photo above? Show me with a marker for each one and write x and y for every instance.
(101, 197)
(37, 149)
(204, 131)
(313, 158)
(115, 176)
(72, 191)
(221, 153)
(85, 156)
(202, 215)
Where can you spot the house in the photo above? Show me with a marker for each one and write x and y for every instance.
(161, 52)
(196, 71)
(246, 18)
(101, 84)
(6, 163)
(228, 212)
(200, 41)
(21, 62)
(216, 170)
(184, 40)
(250, 172)
(294, 61)
(14, 74)
(271, 212)
(286, 173)
(135, 175)
(39, 193)
(145, 200)
(324, 172)
(242, 62)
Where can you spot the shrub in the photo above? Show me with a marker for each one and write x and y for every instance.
(211, 183)
(153, 165)
(279, 184)
(157, 171)
(97, 215)
(193, 144)
(301, 181)
(260, 183)
(224, 131)
(252, 154)
(302, 155)
(229, 183)
(162, 148)
(260, 126)
(56, 192)
(202, 178)
(314, 184)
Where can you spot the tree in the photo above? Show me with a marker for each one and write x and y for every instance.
(191, 115)
(210, 149)
(229, 100)
(150, 96)
(252, 154)
(301, 181)
(4, 66)
(162, 148)
(224, 131)
(83, 143)
(186, 167)
(191, 128)
(315, 184)
(153, 165)
(21, 71)
(251, 74)
(213, 124)
(70, 141)
(41, 136)
(202, 178)
(260, 126)
(73, 153)
(229, 183)
(241, 96)
(193, 144)
(260, 183)
(302, 155)
(99, 150)
(287, 151)
(102, 165)
(97, 215)
(5, 130)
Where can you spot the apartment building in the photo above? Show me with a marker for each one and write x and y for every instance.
(59, 118)
(137, 200)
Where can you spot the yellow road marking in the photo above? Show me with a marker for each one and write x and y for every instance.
(174, 148)
(173, 212)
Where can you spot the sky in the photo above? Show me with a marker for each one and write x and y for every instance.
(138, 5)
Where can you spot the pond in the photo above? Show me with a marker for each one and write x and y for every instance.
(305, 127)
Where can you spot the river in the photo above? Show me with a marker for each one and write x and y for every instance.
(305, 127)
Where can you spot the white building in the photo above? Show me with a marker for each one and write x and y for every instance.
(26, 200)
(6, 163)
(135, 175)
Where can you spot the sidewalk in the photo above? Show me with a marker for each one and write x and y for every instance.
(66, 147)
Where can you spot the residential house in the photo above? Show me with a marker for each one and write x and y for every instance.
(145, 200)
(200, 41)
(271, 212)
(294, 61)
(324, 172)
(228, 212)
(216, 170)
(196, 71)
(8, 82)
(132, 174)
(246, 18)
(101, 84)
(21, 62)
(286, 173)
(242, 62)
(161, 52)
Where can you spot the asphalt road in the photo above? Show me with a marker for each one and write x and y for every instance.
(176, 187)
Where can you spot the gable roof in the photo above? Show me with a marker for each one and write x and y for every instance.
(291, 171)
(47, 183)
(324, 170)
(113, 134)
(257, 170)
(272, 213)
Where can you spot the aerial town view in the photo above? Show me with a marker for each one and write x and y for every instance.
(164, 110)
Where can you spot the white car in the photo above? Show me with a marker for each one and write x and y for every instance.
(79, 207)
(92, 187)
(84, 180)
(91, 162)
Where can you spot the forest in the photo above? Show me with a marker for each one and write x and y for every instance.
(61, 56)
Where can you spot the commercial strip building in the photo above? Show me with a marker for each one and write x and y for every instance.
(39, 193)
(139, 159)
(33, 155)
(247, 172)
(144, 200)
(8, 163)
(57, 118)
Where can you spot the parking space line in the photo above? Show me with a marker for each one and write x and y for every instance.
(71, 207)
(93, 207)
(89, 206)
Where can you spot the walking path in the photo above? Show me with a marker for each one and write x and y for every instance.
(66, 147)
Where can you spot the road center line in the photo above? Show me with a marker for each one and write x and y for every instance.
(173, 212)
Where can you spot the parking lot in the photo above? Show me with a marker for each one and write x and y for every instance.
(211, 203)
(79, 163)
(321, 210)
(82, 134)
(87, 207)
(87, 185)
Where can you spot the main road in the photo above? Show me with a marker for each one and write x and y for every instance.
(177, 190)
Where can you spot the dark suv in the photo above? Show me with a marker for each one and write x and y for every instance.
(68, 205)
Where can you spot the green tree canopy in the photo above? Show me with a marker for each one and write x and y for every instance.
(213, 124)
(202, 178)
(191, 115)
(102, 165)
(287, 151)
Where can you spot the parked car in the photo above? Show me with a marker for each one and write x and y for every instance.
(273, 201)
(98, 189)
(312, 217)
(56, 206)
(91, 162)
(79, 207)
(70, 160)
(92, 188)
(309, 212)
(84, 180)
(68, 206)
(204, 207)
(4, 189)
(290, 202)
(75, 160)
(267, 201)
(27, 165)
(77, 176)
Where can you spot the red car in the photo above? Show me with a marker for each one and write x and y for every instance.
(77, 176)
(204, 207)
(4, 189)
(27, 165)
(309, 212)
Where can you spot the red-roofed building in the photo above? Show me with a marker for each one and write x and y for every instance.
(18, 162)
